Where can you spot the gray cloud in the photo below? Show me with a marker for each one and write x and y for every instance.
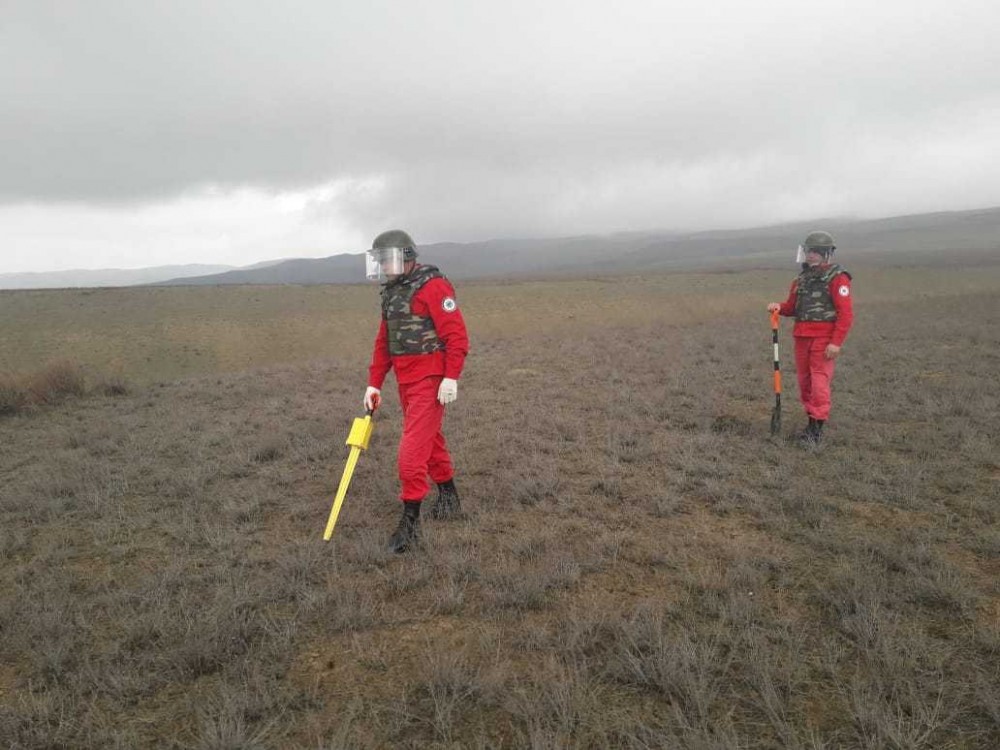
(488, 119)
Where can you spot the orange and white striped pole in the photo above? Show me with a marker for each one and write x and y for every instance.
(776, 414)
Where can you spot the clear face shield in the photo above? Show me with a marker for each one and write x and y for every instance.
(384, 263)
(802, 252)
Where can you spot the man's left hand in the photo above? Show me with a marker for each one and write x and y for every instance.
(448, 391)
(832, 351)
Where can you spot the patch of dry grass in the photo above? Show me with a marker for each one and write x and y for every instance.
(53, 384)
(49, 385)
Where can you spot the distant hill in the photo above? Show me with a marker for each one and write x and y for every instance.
(943, 238)
(335, 269)
(105, 277)
(936, 239)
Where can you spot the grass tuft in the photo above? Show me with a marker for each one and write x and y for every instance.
(56, 382)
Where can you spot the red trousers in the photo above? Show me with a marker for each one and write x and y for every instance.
(815, 373)
(422, 448)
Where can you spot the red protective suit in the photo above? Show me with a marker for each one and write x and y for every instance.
(422, 448)
(814, 370)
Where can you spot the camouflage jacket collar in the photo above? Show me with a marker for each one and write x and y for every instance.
(416, 277)
(824, 271)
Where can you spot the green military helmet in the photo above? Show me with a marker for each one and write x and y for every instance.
(396, 238)
(821, 242)
(816, 242)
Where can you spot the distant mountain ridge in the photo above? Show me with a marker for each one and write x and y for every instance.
(936, 238)
(933, 238)
(106, 276)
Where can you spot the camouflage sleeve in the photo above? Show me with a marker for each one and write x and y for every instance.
(442, 307)
(843, 301)
(381, 361)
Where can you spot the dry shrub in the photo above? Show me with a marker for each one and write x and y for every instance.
(269, 449)
(727, 423)
(13, 396)
(533, 487)
(56, 382)
(531, 587)
(113, 385)
(449, 597)
(50, 385)
(562, 705)
(451, 684)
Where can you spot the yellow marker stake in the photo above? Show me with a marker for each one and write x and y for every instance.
(361, 432)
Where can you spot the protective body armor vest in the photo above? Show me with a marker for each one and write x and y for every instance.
(409, 333)
(813, 300)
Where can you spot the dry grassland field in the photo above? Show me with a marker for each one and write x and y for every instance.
(640, 564)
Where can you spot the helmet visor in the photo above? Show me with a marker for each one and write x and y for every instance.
(384, 262)
(803, 251)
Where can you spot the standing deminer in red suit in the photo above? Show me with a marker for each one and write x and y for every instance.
(422, 337)
(820, 300)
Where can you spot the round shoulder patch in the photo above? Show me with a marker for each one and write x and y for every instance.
(844, 290)
(448, 304)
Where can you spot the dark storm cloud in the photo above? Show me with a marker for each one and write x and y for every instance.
(486, 119)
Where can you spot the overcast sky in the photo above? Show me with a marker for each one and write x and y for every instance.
(231, 131)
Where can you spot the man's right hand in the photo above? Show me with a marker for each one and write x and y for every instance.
(371, 398)
(773, 306)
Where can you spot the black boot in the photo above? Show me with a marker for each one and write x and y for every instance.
(407, 534)
(818, 431)
(807, 438)
(447, 504)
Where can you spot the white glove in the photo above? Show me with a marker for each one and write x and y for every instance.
(448, 391)
(371, 394)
